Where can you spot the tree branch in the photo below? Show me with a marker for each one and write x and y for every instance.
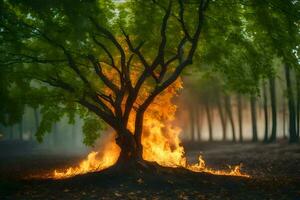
(112, 64)
(99, 72)
(111, 37)
(161, 50)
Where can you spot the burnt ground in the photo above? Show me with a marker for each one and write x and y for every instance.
(275, 171)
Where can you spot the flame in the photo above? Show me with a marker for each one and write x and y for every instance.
(105, 157)
(160, 140)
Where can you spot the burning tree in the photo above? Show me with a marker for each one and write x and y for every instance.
(63, 58)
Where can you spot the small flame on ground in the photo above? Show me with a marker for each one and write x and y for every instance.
(160, 140)
(105, 157)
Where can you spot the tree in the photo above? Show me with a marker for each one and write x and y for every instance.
(253, 118)
(240, 116)
(222, 116)
(199, 120)
(272, 85)
(266, 114)
(72, 40)
(109, 62)
(291, 105)
(281, 24)
(36, 119)
(209, 121)
(21, 129)
(192, 122)
(229, 114)
(298, 103)
(284, 120)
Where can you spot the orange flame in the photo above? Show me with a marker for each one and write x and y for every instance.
(160, 140)
(106, 156)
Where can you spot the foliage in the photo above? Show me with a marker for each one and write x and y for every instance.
(48, 50)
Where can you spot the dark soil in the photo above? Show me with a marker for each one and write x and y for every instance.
(275, 170)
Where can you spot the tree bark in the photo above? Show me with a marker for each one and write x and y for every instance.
(192, 123)
(253, 118)
(291, 105)
(222, 118)
(130, 153)
(198, 123)
(21, 128)
(298, 104)
(266, 115)
(240, 116)
(36, 118)
(272, 85)
(229, 114)
(209, 121)
(11, 132)
(284, 120)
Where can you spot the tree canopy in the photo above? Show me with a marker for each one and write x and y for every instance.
(93, 57)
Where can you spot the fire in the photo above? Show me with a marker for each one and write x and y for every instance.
(160, 140)
(105, 157)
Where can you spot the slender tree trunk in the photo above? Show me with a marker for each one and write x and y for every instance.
(21, 129)
(229, 114)
(192, 122)
(266, 115)
(55, 135)
(272, 84)
(253, 118)
(11, 132)
(2, 131)
(291, 105)
(198, 123)
(209, 121)
(298, 104)
(222, 118)
(284, 120)
(36, 118)
(36, 122)
(240, 116)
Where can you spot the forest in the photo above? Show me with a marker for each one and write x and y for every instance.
(148, 99)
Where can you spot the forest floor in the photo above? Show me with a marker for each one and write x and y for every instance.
(274, 170)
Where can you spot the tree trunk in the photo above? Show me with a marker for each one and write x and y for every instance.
(222, 118)
(11, 132)
(298, 104)
(198, 123)
(291, 105)
(283, 120)
(240, 116)
(36, 118)
(253, 118)
(192, 123)
(209, 121)
(21, 128)
(36, 121)
(229, 114)
(2, 131)
(130, 154)
(265, 98)
(274, 109)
